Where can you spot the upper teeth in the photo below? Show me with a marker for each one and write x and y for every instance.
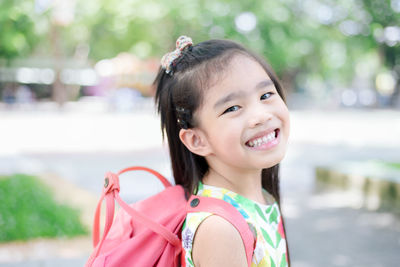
(262, 140)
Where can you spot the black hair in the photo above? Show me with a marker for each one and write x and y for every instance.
(180, 93)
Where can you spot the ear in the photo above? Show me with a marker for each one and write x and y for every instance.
(196, 141)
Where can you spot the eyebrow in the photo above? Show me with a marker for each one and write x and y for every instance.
(231, 96)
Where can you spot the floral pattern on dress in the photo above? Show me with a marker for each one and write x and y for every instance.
(270, 248)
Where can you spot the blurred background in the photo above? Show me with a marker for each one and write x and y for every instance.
(76, 101)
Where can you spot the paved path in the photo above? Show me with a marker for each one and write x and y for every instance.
(325, 227)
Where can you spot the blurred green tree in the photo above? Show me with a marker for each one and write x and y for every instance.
(325, 40)
(313, 45)
(17, 29)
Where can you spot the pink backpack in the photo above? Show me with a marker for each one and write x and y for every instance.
(148, 233)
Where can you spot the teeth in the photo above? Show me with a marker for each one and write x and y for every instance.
(262, 140)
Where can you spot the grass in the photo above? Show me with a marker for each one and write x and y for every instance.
(28, 210)
(394, 165)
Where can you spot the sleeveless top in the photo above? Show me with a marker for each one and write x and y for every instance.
(264, 220)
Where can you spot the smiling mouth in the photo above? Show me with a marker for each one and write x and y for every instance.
(258, 141)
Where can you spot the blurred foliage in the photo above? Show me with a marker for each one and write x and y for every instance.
(329, 40)
(395, 165)
(386, 164)
(17, 31)
(28, 210)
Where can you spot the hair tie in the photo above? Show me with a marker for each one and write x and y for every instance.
(181, 43)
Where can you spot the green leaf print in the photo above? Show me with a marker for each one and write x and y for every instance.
(278, 239)
(236, 205)
(259, 211)
(245, 203)
(272, 262)
(283, 261)
(267, 238)
(273, 217)
(268, 210)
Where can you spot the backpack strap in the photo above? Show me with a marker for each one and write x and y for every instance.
(195, 204)
(228, 212)
(110, 193)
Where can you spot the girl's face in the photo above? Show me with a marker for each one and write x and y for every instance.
(245, 121)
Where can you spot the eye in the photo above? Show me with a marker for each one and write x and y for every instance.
(266, 95)
(231, 109)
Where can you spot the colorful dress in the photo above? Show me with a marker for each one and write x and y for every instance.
(270, 249)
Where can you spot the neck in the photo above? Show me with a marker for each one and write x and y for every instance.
(244, 182)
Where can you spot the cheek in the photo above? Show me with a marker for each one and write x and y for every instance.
(285, 119)
(225, 134)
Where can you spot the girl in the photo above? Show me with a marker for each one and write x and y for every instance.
(227, 125)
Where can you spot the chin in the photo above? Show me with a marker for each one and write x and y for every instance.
(270, 166)
(273, 162)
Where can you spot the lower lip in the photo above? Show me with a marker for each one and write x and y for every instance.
(271, 144)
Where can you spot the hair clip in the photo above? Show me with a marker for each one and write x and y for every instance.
(181, 43)
(184, 116)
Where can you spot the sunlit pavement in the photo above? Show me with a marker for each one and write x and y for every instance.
(325, 227)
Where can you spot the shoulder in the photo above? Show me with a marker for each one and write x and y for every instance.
(218, 243)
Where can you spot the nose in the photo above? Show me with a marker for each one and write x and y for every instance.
(258, 115)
